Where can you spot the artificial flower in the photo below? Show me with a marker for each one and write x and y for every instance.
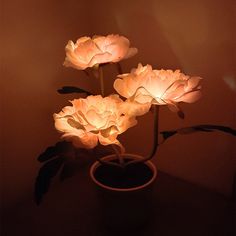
(160, 87)
(88, 52)
(93, 119)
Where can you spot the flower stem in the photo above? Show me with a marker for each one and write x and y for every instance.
(156, 132)
(110, 163)
(119, 156)
(119, 68)
(155, 137)
(101, 80)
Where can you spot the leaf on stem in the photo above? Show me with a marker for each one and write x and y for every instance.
(73, 166)
(198, 128)
(68, 170)
(63, 160)
(53, 151)
(221, 128)
(168, 134)
(181, 114)
(72, 89)
(46, 173)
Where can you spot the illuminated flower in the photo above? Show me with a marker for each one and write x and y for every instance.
(161, 87)
(93, 119)
(133, 108)
(87, 52)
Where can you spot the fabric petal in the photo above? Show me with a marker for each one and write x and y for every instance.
(99, 59)
(133, 108)
(190, 97)
(131, 52)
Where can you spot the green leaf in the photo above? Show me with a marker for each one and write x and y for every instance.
(168, 134)
(70, 168)
(53, 151)
(181, 114)
(72, 89)
(46, 173)
(221, 128)
(198, 128)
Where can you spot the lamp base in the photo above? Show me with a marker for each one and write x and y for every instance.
(124, 195)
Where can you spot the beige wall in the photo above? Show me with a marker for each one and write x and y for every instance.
(196, 36)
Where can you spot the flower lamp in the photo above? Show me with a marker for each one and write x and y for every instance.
(123, 181)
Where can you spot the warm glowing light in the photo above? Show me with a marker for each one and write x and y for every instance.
(161, 87)
(87, 52)
(133, 108)
(93, 119)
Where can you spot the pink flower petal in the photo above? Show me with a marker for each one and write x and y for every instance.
(131, 52)
(190, 97)
(99, 59)
(193, 82)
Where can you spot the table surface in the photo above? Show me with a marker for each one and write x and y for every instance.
(70, 208)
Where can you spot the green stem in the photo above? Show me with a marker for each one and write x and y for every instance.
(156, 132)
(110, 163)
(121, 161)
(155, 137)
(119, 156)
(101, 80)
(120, 164)
(119, 68)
